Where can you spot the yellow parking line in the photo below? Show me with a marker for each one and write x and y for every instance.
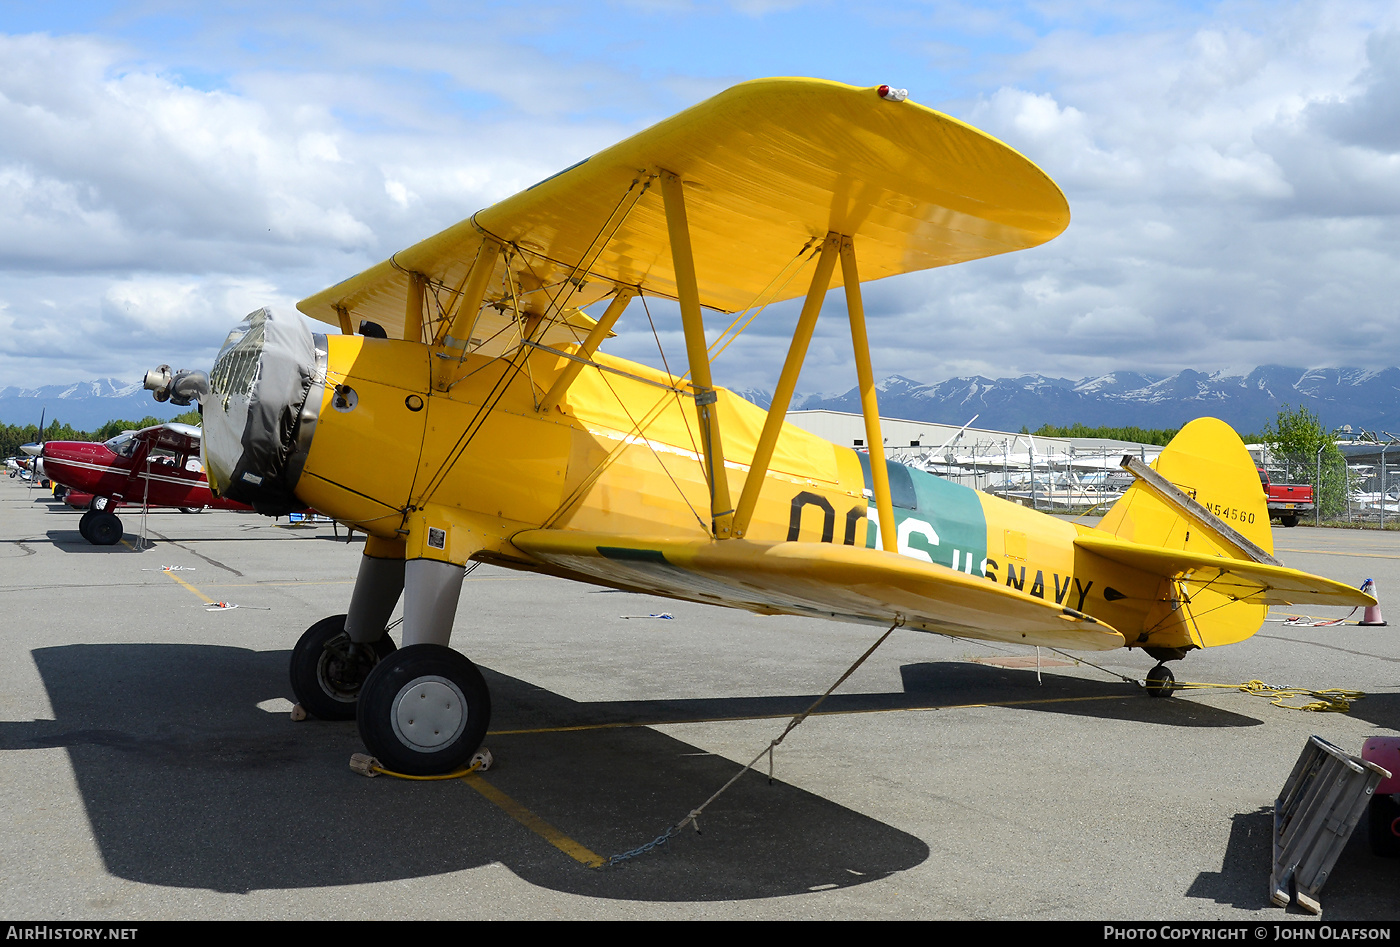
(202, 597)
(534, 823)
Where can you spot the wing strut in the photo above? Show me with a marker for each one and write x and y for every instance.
(413, 308)
(458, 334)
(787, 383)
(697, 351)
(869, 402)
(600, 331)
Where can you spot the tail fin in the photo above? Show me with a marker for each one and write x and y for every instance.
(1208, 461)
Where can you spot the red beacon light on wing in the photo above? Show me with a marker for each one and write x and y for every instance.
(891, 94)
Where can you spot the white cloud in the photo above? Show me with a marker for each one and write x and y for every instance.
(1231, 171)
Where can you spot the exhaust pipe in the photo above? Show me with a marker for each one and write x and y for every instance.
(179, 388)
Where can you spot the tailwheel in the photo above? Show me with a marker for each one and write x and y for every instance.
(424, 710)
(328, 669)
(104, 529)
(1160, 681)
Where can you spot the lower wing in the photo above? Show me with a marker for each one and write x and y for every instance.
(845, 583)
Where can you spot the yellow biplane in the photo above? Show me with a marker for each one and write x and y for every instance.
(473, 417)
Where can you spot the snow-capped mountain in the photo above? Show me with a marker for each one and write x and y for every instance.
(1363, 399)
(86, 405)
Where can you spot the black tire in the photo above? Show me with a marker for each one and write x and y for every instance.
(1290, 520)
(84, 522)
(1160, 681)
(1382, 819)
(59, 492)
(444, 735)
(104, 529)
(327, 675)
(191, 509)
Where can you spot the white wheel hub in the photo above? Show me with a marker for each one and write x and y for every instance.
(429, 714)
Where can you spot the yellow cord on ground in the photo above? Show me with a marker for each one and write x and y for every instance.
(1329, 700)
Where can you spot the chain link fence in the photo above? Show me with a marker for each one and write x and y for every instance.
(1363, 490)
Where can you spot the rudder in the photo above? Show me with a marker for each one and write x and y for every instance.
(1209, 462)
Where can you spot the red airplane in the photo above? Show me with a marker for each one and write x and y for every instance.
(153, 467)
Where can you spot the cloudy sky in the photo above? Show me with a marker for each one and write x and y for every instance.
(1233, 169)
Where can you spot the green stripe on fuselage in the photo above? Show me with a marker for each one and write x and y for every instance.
(935, 519)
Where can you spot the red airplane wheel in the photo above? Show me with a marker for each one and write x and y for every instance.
(327, 674)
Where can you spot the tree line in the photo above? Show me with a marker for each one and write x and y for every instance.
(13, 435)
(1138, 435)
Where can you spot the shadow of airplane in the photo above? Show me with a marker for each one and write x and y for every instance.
(70, 540)
(929, 686)
(187, 783)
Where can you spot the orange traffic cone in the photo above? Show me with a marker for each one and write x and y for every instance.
(1372, 615)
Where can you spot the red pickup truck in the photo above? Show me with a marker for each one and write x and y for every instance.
(1286, 500)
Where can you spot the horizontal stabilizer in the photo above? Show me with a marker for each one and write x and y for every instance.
(847, 583)
(1259, 583)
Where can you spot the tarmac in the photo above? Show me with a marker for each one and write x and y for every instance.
(151, 769)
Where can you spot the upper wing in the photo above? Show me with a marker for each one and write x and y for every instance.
(769, 165)
(820, 579)
(1243, 579)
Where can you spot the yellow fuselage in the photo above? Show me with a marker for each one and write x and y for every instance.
(620, 454)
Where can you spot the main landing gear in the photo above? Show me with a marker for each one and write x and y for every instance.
(422, 709)
(328, 669)
(100, 527)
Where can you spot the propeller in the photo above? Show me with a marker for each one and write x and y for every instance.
(34, 464)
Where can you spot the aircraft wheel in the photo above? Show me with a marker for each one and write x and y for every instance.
(424, 710)
(1160, 681)
(1383, 824)
(327, 673)
(59, 492)
(84, 522)
(1290, 520)
(191, 509)
(104, 529)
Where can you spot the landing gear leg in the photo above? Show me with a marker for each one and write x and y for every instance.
(424, 710)
(1160, 681)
